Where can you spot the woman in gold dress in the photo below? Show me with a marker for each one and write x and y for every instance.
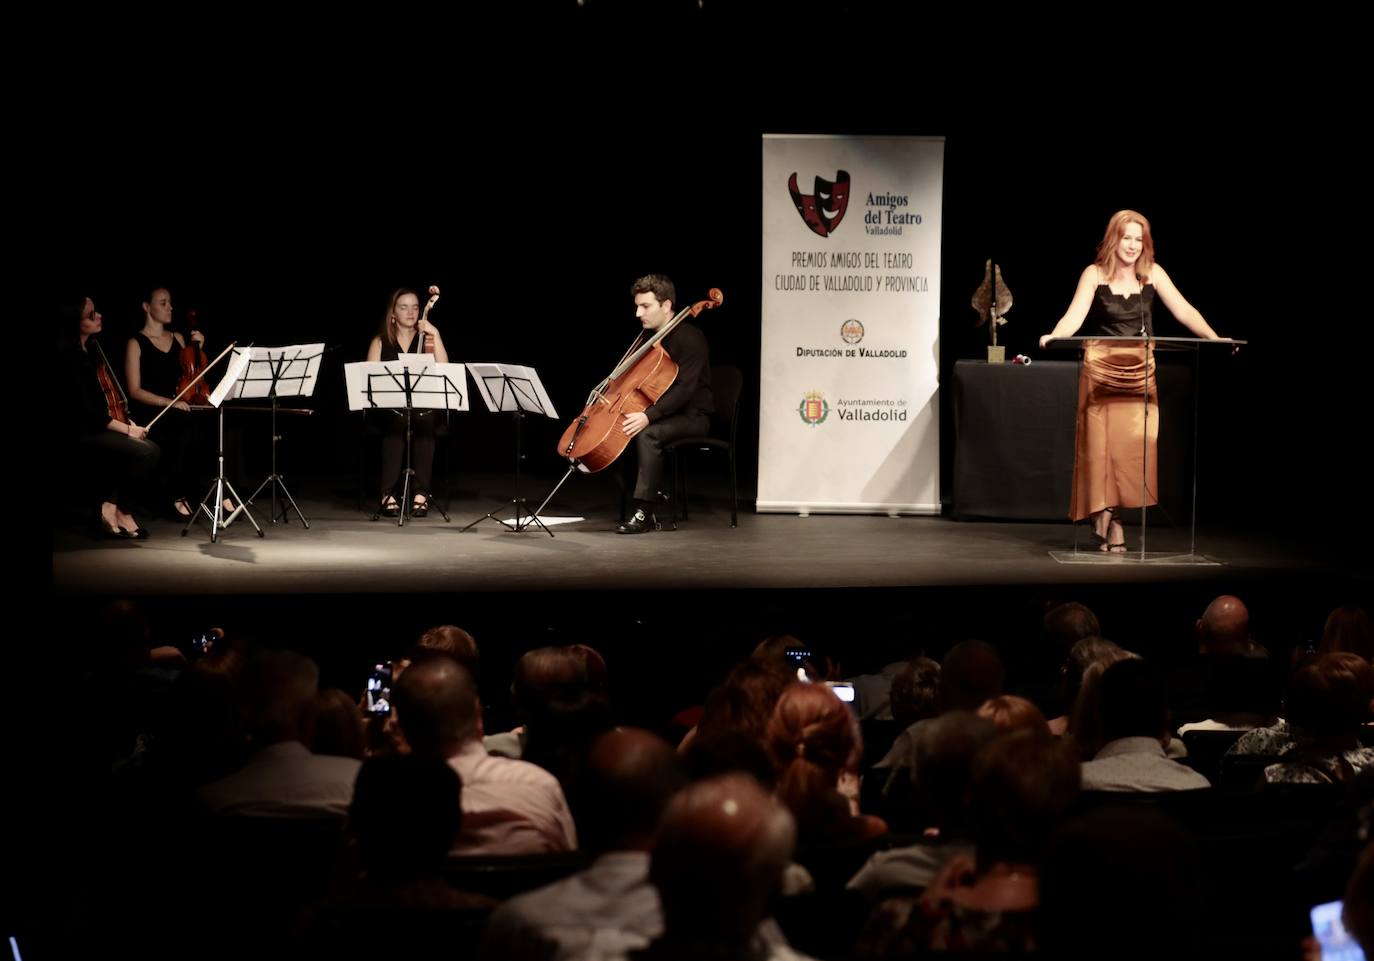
(1116, 430)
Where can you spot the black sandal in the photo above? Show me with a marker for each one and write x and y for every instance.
(1107, 547)
(420, 508)
(389, 507)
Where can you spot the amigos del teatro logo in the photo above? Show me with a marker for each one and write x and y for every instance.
(813, 408)
(823, 210)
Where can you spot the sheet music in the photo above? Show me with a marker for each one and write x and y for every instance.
(379, 383)
(525, 391)
(238, 363)
(295, 369)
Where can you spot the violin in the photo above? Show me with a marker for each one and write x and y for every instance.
(115, 401)
(594, 440)
(193, 362)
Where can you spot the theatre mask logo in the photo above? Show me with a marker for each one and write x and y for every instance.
(823, 210)
(813, 408)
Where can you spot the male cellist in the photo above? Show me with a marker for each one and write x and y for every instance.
(683, 408)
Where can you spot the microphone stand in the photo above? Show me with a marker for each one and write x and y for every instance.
(1148, 354)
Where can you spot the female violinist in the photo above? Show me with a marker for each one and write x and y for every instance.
(111, 453)
(152, 369)
(193, 363)
(405, 330)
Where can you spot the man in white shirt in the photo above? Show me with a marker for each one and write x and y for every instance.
(610, 908)
(509, 806)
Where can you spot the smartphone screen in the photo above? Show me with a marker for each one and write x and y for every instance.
(843, 690)
(1336, 942)
(379, 689)
(796, 661)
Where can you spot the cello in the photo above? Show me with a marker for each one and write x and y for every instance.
(594, 440)
(193, 362)
(421, 331)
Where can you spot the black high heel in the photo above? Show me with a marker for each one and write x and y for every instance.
(420, 508)
(112, 531)
(390, 508)
(139, 533)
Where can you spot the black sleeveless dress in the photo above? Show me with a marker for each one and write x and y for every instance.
(423, 426)
(185, 456)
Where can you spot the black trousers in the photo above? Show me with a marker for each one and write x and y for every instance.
(649, 447)
(422, 427)
(187, 442)
(108, 466)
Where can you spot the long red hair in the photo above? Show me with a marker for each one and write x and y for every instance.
(812, 737)
(1116, 228)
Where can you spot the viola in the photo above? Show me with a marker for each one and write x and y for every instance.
(595, 439)
(193, 362)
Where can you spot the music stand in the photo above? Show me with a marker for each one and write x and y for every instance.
(215, 495)
(517, 390)
(1149, 341)
(411, 382)
(274, 372)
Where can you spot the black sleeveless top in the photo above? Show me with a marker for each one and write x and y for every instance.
(392, 352)
(1112, 315)
(158, 371)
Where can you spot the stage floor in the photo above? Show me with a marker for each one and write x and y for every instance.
(344, 552)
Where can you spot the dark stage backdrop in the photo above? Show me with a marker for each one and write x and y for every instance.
(286, 204)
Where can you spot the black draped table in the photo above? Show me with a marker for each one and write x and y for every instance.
(1014, 439)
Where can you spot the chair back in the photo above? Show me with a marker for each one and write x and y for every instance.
(727, 383)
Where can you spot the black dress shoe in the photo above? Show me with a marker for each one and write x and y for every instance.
(640, 522)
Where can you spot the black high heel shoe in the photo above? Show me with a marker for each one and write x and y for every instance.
(390, 508)
(104, 528)
(139, 533)
(420, 508)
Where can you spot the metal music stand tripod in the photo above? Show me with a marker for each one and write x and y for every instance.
(215, 495)
(517, 390)
(274, 372)
(409, 383)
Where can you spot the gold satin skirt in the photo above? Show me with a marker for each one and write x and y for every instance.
(1118, 429)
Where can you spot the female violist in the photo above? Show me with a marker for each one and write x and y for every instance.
(405, 331)
(111, 452)
(152, 368)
